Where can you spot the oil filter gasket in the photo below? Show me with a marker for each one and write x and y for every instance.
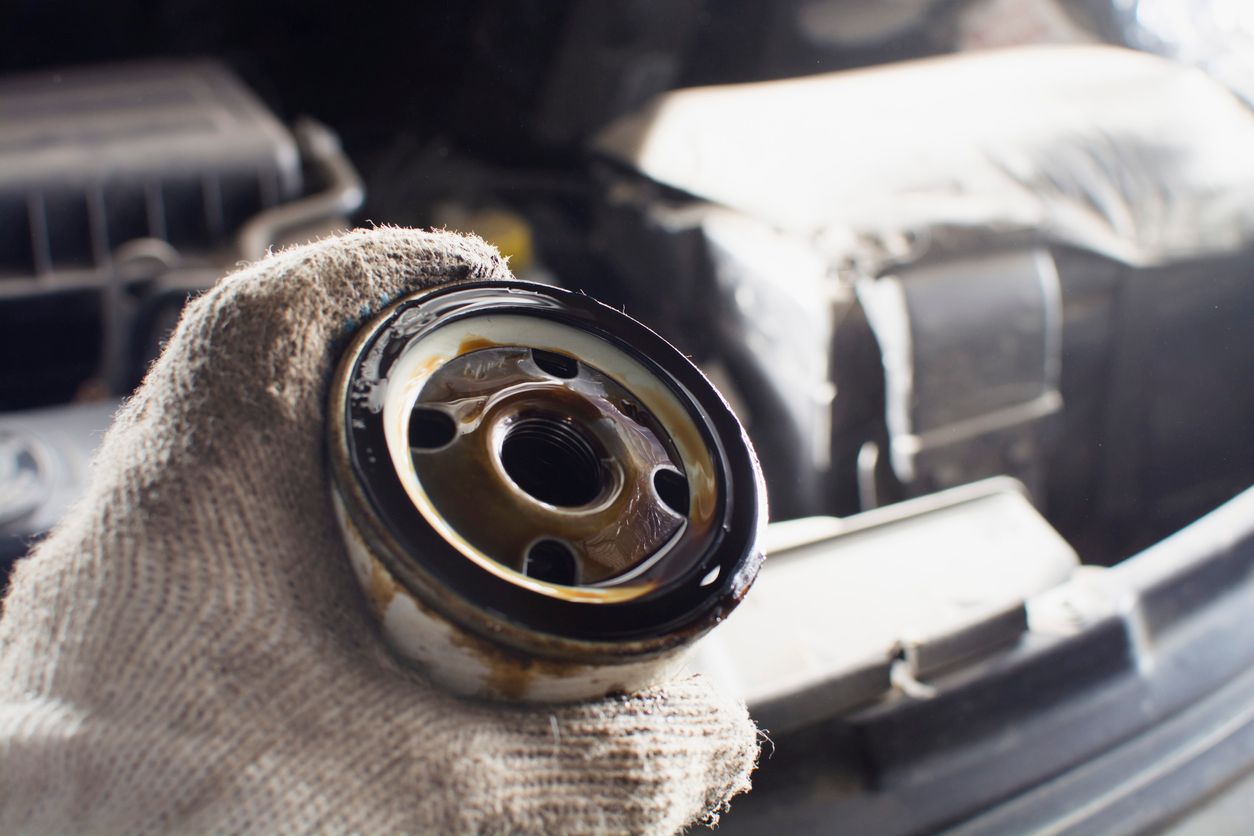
(542, 499)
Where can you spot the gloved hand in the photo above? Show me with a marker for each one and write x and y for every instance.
(188, 650)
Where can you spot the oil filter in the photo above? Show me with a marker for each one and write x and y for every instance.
(542, 499)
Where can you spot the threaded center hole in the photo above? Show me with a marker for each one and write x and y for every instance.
(553, 461)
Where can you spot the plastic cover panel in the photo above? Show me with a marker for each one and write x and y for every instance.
(1031, 144)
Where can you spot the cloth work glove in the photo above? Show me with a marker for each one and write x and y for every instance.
(188, 651)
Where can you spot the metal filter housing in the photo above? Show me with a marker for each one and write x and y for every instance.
(542, 499)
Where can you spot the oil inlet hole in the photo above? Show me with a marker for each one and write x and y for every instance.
(430, 428)
(552, 561)
(672, 489)
(553, 461)
(554, 364)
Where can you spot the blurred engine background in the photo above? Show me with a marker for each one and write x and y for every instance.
(1102, 373)
(920, 244)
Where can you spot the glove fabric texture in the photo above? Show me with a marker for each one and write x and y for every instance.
(189, 652)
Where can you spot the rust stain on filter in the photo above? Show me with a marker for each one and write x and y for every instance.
(474, 344)
(380, 589)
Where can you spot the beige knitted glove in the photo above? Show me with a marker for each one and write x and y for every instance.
(189, 652)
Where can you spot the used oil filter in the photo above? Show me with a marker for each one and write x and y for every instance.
(542, 499)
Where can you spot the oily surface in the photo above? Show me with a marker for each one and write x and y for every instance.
(491, 388)
(189, 652)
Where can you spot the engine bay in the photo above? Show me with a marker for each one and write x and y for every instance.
(974, 276)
